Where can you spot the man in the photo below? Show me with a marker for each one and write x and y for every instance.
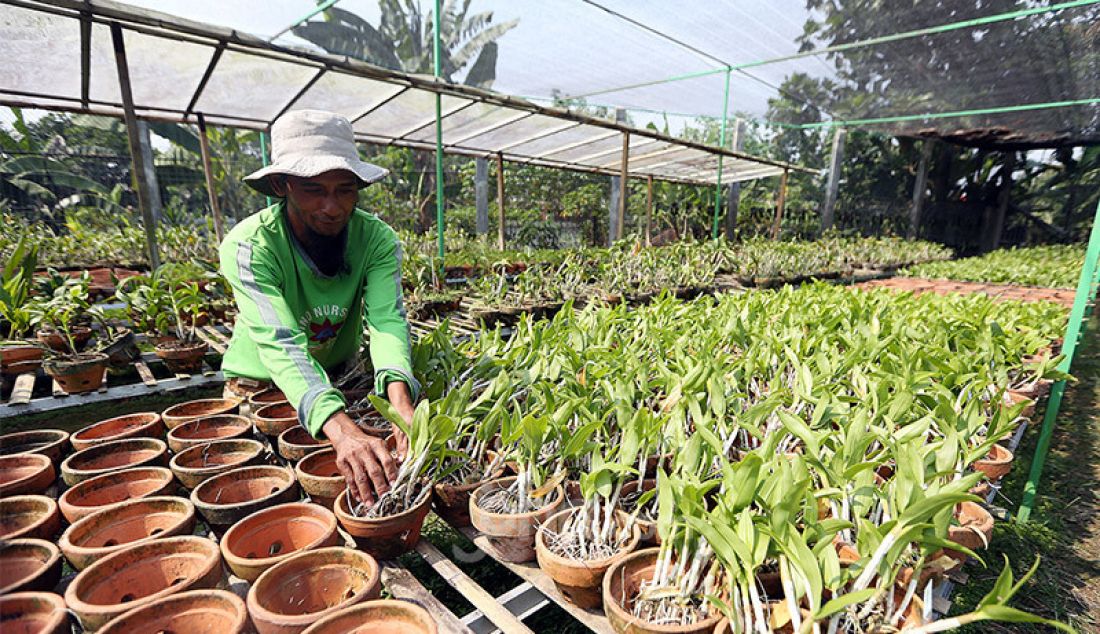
(303, 272)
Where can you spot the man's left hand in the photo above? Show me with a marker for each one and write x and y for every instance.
(398, 395)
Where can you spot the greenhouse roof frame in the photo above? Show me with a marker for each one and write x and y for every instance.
(180, 68)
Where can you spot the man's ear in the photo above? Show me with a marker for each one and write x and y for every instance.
(278, 184)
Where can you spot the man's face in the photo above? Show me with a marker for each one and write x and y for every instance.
(321, 204)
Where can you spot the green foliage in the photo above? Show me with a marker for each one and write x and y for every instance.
(1054, 266)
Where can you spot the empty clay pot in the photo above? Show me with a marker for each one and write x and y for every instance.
(34, 516)
(266, 397)
(195, 465)
(996, 464)
(382, 615)
(320, 478)
(28, 565)
(34, 613)
(113, 456)
(384, 537)
(229, 497)
(140, 574)
(512, 535)
(274, 534)
(297, 443)
(109, 530)
(182, 412)
(47, 442)
(974, 524)
(620, 588)
(275, 418)
(209, 429)
(113, 488)
(26, 473)
(295, 593)
(580, 581)
(193, 611)
(140, 425)
(17, 359)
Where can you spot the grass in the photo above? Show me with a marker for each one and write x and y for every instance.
(1065, 523)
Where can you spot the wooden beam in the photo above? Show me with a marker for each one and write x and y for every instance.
(1003, 200)
(780, 204)
(918, 188)
(648, 209)
(204, 145)
(481, 195)
(623, 175)
(500, 200)
(831, 190)
(137, 157)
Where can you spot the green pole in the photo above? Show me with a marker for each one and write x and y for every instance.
(438, 69)
(263, 157)
(721, 144)
(1085, 293)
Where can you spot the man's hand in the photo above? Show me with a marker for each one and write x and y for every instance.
(397, 393)
(363, 460)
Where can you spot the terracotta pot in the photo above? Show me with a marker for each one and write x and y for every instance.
(139, 425)
(203, 430)
(194, 466)
(972, 519)
(83, 373)
(996, 464)
(193, 611)
(47, 442)
(33, 516)
(265, 397)
(452, 501)
(111, 489)
(28, 565)
(319, 477)
(384, 537)
(383, 615)
(26, 473)
(308, 586)
(275, 418)
(183, 412)
(1012, 397)
(136, 576)
(512, 535)
(20, 359)
(113, 456)
(274, 534)
(226, 499)
(580, 581)
(57, 341)
(34, 613)
(648, 528)
(620, 587)
(182, 358)
(112, 529)
(122, 350)
(297, 443)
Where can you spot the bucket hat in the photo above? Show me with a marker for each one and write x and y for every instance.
(306, 143)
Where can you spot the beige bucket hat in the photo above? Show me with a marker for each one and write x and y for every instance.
(306, 143)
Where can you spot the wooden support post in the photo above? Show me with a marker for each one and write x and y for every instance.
(835, 160)
(623, 168)
(648, 210)
(136, 154)
(1003, 199)
(780, 203)
(918, 188)
(481, 195)
(215, 211)
(500, 200)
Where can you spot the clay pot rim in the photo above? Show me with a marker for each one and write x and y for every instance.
(299, 471)
(1004, 456)
(253, 400)
(207, 484)
(121, 623)
(56, 437)
(309, 508)
(90, 442)
(51, 510)
(106, 447)
(170, 415)
(31, 543)
(543, 549)
(199, 471)
(108, 479)
(259, 413)
(260, 612)
(298, 428)
(58, 615)
(197, 422)
(343, 515)
(43, 464)
(611, 605)
(500, 482)
(366, 606)
(67, 545)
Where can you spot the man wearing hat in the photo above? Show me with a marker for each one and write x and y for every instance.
(306, 272)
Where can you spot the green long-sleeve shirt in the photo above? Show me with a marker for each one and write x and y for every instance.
(294, 321)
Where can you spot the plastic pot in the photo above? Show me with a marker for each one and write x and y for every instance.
(194, 466)
(78, 373)
(111, 457)
(140, 425)
(293, 594)
(203, 430)
(26, 473)
(47, 442)
(180, 413)
(620, 587)
(320, 478)
(193, 611)
(384, 537)
(182, 358)
(996, 464)
(512, 535)
(112, 529)
(383, 615)
(34, 612)
(297, 443)
(136, 576)
(110, 489)
(275, 418)
(275, 534)
(225, 499)
(579, 581)
(28, 565)
(33, 516)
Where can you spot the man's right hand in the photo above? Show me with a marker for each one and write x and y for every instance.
(363, 460)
